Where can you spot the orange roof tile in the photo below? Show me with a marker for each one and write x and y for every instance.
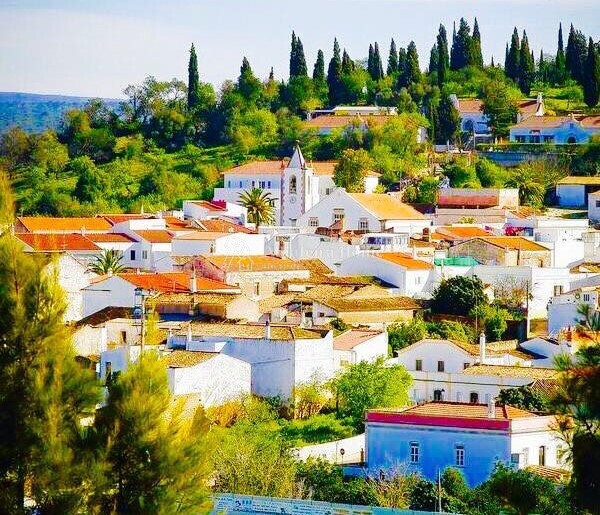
(513, 243)
(469, 105)
(452, 233)
(172, 222)
(460, 410)
(109, 237)
(404, 260)
(74, 224)
(252, 263)
(211, 206)
(258, 167)
(340, 121)
(57, 242)
(115, 218)
(220, 225)
(592, 122)
(580, 180)
(155, 236)
(386, 207)
(186, 358)
(541, 122)
(352, 338)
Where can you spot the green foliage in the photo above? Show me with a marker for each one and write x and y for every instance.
(500, 106)
(338, 324)
(109, 262)
(351, 168)
(489, 174)
(316, 429)
(523, 397)
(451, 330)
(368, 385)
(458, 295)
(403, 334)
(591, 84)
(492, 319)
(260, 206)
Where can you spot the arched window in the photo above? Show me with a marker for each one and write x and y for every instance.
(474, 397)
(571, 140)
(293, 184)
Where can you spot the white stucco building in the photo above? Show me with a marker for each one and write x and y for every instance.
(558, 130)
(356, 345)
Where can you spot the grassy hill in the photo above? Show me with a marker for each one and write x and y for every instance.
(36, 113)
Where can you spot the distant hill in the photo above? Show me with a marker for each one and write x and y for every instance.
(36, 113)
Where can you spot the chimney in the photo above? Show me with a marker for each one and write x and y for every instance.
(482, 347)
(267, 331)
(193, 284)
(427, 234)
(491, 407)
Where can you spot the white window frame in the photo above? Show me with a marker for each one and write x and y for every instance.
(363, 224)
(313, 221)
(144, 254)
(415, 453)
(459, 455)
(338, 214)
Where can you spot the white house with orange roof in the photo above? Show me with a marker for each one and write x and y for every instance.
(120, 290)
(412, 277)
(206, 209)
(356, 345)
(427, 438)
(365, 212)
(64, 225)
(558, 130)
(221, 243)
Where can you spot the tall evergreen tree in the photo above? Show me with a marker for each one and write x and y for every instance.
(193, 94)
(526, 66)
(293, 56)
(506, 56)
(476, 55)
(448, 121)
(443, 57)
(347, 64)
(453, 49)
(412, 72)
(301, 69)
(248, 85)
(492, 63)
(576, 54)
(319, 68)
(512, 62)
(392, 67)
(44, 392)
(560, 63)
(434, 55)
(462, 47)
(377, 63)
(334, 76)
(371, 61)
(271, 75)
(591, 85)
(401, 59)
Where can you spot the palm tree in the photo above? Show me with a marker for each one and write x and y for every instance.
(260, 206)
(107, 263)
(531, 192)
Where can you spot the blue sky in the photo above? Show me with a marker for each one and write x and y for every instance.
(97, 47)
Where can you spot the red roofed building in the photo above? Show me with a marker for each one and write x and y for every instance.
(58, 242)
(47, 224)
(429, 437)
(559, 130)
(356, 345)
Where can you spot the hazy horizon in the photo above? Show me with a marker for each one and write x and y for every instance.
(81, 48)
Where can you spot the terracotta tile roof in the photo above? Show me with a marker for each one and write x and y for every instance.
(220, 225)
(334, 121)
(73, 224)
(511, 371)
(201, 235)
(155, 235)
(211, 206)
(580, 180)
(163, 282)
(454, 233)
(528, 107)
(513, 243)
(187, 358)
(172, 222)
(554, 474)
(452, 197)
(542, 122)
(404, 260)
(254, 332)
(322, 292)
(109, 237)
(104, 315)
(58, 242)
(258, 168)
(392, 303)
(525, 212)
(470, 105)
(315, 265)
(546, 388)
(492, 348)
(116, 218)
(352, 338)
(252, 263)
(276, 301)
(214, 299)
(386, 207)
(449, 409)
(590, 122)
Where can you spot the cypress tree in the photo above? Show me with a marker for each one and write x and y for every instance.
(576, 54)
(462, 47)
(334, 76)
(347, 65)
(591, 86)
(506, 56)
(401, 60)
(542, 68)
(434, 55)
(193, 94)
(492, 63)
(512, 62)
(248, 84)
(293, 58)
(443, 57)
(377, 64)
(476, 55)
(412, 72)
(370, 61)
(301, 69)
(526, 66)
(560, 58)
(271, 75)
(319, 68)
(392, 66)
